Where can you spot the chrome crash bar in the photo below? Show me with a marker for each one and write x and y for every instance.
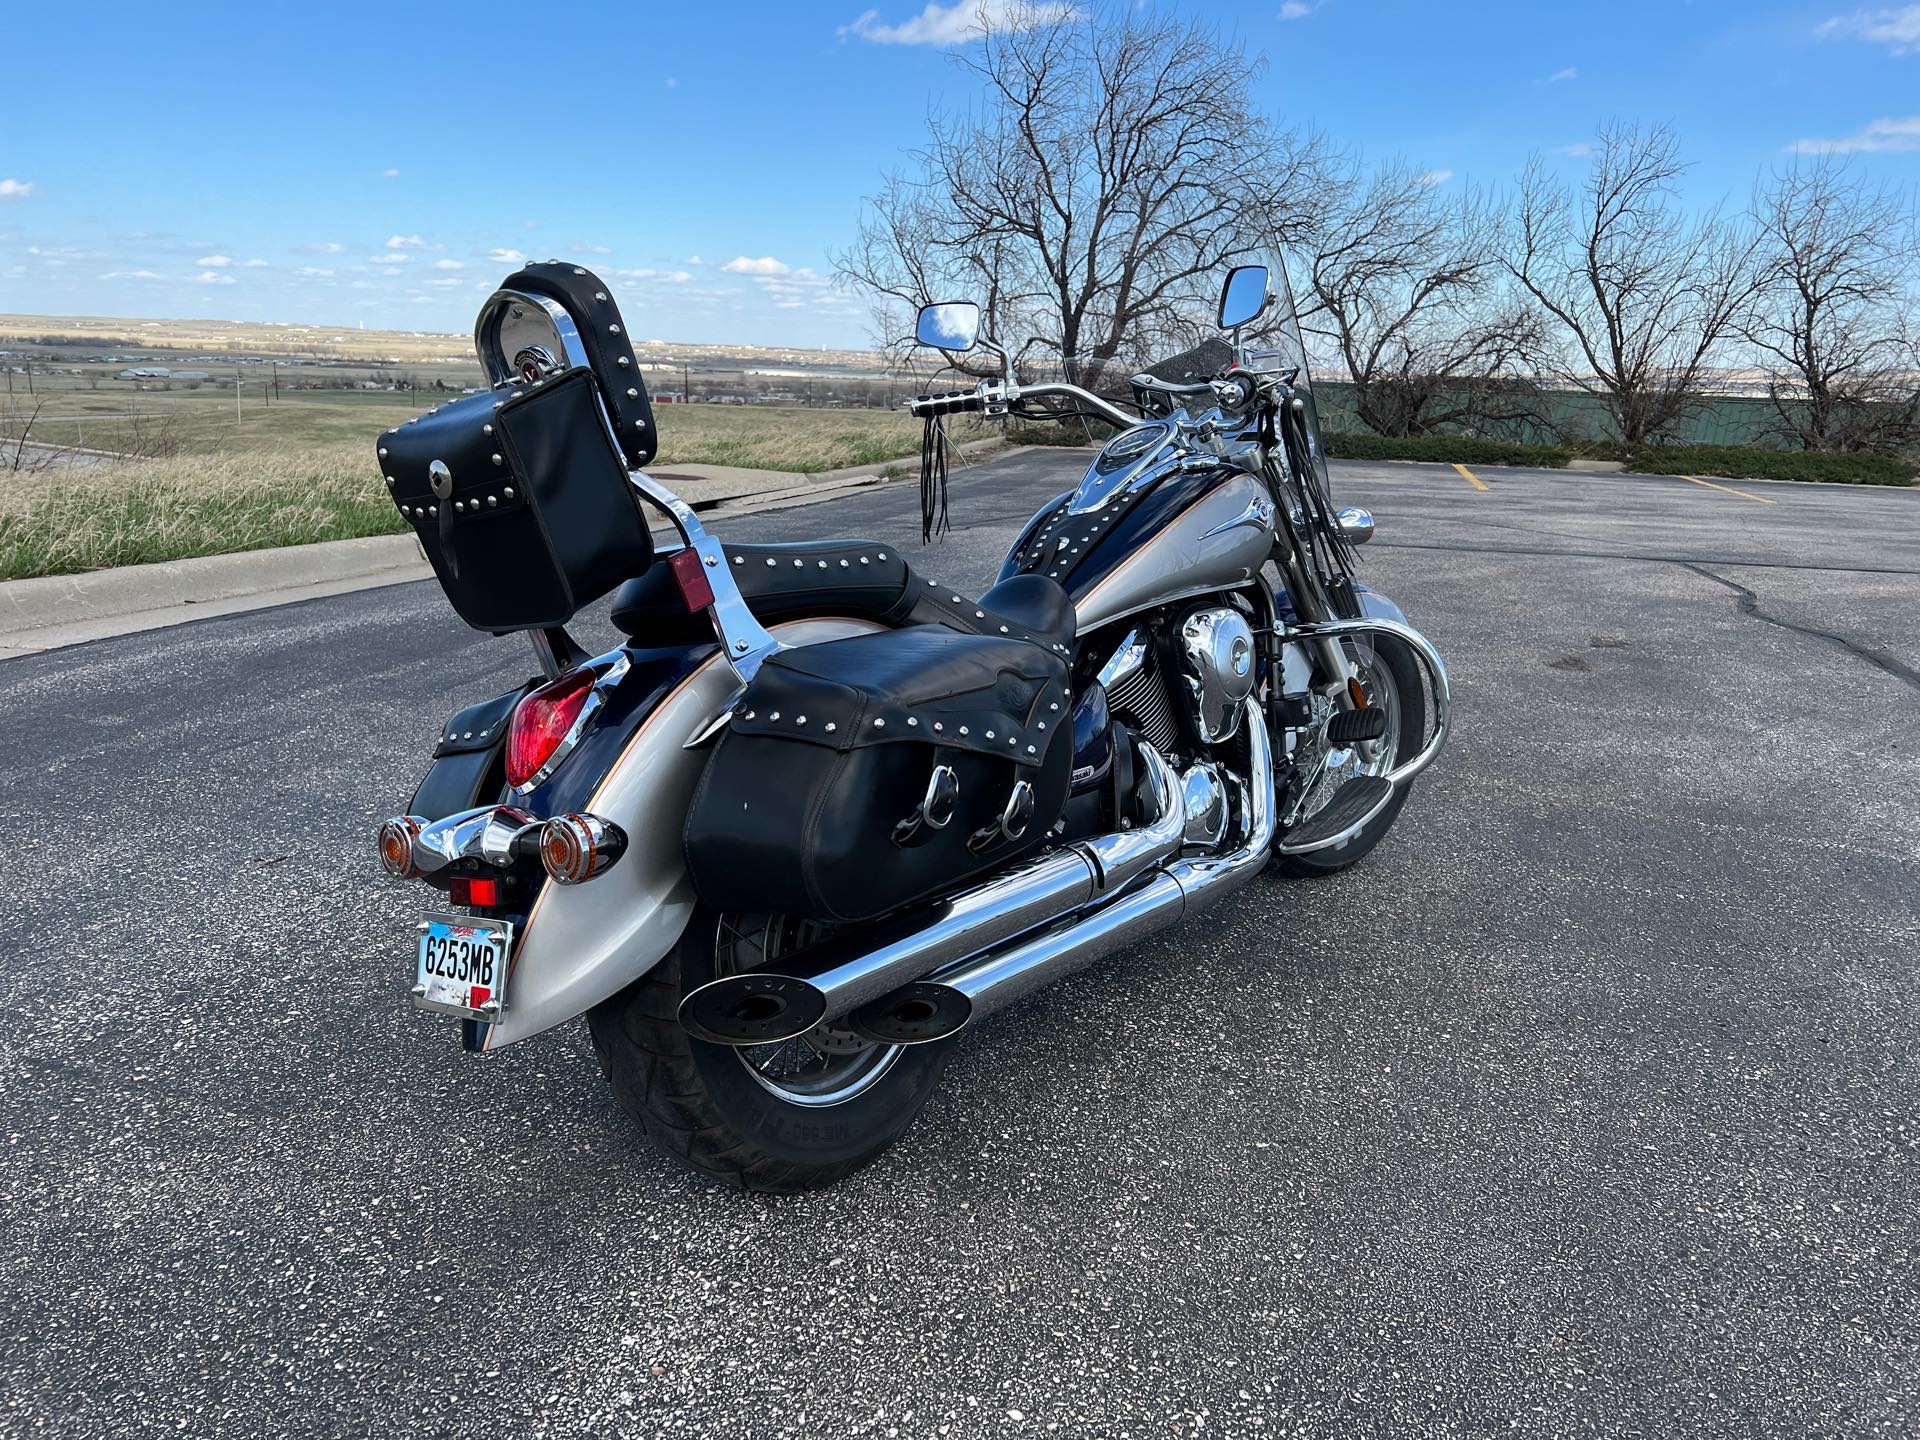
(1430, 661)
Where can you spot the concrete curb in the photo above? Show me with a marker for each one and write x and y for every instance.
(59, 610)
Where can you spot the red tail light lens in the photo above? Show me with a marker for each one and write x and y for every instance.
(541, 721)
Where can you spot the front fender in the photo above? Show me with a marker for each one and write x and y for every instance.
(581, 944)
(1373, 606)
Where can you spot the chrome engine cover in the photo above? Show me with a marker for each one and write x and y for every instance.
(1216, 652)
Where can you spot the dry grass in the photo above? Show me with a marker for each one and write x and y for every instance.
(307, 473)
(62, 521)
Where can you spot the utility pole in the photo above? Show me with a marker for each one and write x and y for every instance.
(236, 397)
(686, 392)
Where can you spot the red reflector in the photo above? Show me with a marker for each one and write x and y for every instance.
(692, 576)
(541, 721)
(463, 890)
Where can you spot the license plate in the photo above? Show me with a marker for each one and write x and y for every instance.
(463, 966)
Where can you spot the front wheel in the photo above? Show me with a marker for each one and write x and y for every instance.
(1390, 675)
(783, 1117)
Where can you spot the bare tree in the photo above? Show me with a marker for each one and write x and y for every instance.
(1834, 316)
(1114, 168)
(1405, 287)
(21, 454)
(1644, 296)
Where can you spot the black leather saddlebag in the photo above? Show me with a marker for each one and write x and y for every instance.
(520, 501)
(812, 803)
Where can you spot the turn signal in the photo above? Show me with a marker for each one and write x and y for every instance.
(396, 846)
(574, 848)
(540, 723)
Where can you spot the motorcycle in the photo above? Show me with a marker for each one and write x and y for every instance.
(820, 813)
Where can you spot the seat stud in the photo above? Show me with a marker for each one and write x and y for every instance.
(963, 729)
(831, 727)
(879, 724)
(912, 720)
(773, 714)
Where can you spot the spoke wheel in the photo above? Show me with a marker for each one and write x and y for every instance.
(828, 1065)
(1337, 765)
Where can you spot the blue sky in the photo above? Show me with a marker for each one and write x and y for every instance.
(379, 163)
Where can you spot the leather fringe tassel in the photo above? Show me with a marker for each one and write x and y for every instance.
(934, 519)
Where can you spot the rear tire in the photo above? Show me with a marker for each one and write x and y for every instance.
(1410, 688)
(701, 1104)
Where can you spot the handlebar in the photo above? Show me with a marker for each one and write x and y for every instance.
(996, 395)
(952, 402)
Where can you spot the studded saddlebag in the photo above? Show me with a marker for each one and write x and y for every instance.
(520, 501)
(812, 803)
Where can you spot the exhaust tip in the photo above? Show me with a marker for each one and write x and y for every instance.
(752, 1009)
(915, 1014)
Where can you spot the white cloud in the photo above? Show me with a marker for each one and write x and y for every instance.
(765, 265)
(392, 257)
(1436, 177)
(446, 280)
(214, 277)
(130, 275)
(330, 247)
(1567, 74)
(672, 277)
(595, 249)
(448, 265)
(256, 265)
(309, 272)
(959, 22)
(1296, 10)
(695, 260)
(1898, 29)
(216, 262)
(1579, 150)
(411, 242)
(672, 84)
(1878, 137)
(390, 174)
(506, 257)
(11, 189)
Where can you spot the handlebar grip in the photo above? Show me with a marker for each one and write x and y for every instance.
(951, 403)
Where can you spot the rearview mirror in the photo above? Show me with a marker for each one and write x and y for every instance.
(1244, 295)
(950, 325)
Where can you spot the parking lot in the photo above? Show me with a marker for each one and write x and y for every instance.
(1590, 1103)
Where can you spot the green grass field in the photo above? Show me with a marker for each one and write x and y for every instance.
(303, 470)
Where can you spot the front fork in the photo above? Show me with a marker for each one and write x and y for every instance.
(1322, 631)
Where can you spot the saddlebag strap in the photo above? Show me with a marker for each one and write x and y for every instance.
(926, 684)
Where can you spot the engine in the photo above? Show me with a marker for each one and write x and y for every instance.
(1216, 653)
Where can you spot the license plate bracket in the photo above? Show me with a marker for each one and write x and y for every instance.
(461, 966)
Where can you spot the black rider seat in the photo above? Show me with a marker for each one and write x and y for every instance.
(859, 579)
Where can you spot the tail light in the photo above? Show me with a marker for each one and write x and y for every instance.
(396, 846)
(574, 848)
(541, 724)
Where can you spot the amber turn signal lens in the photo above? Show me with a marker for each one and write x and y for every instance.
(574, 848)
(396, 847)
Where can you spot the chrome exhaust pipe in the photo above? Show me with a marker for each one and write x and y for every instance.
(935, 1008)
(831, 980)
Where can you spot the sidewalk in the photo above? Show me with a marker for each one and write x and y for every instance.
(60, 610)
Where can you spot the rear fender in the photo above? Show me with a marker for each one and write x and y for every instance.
(581, 944)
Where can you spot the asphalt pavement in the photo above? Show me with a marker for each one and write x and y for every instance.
(1588, 1104)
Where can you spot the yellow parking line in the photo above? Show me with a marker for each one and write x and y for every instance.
(1472, 479)
(1728, 488)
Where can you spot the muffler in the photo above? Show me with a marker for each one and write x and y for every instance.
(829, 981)
(935, 1008)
